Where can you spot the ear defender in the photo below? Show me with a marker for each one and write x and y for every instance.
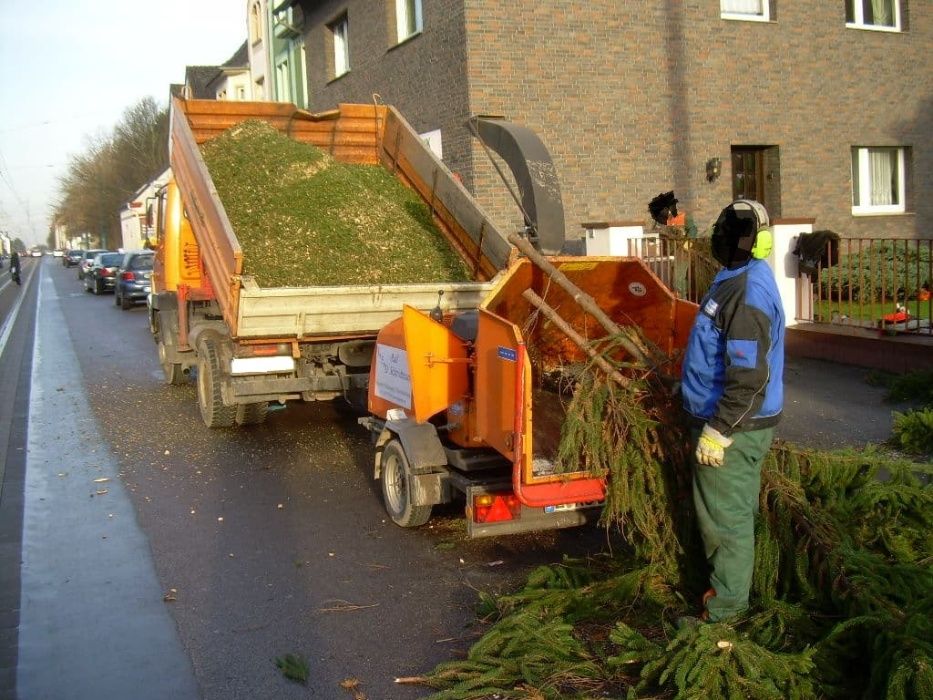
(764, 243)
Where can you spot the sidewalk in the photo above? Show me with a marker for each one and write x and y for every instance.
(830, 406)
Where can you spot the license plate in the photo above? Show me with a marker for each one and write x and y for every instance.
(563, 507)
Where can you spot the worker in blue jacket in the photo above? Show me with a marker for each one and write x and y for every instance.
(733, 393)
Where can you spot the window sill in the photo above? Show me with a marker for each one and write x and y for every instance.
(338, 77)
(745, 18)
(874, 28)
(406, 40)
(863, 213)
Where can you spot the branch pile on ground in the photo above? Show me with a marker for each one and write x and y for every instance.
(304, 219)
(842, 597)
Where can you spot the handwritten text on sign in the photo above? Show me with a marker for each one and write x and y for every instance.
(393, 382)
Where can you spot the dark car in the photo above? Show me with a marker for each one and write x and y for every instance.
(133, 278)
(87, 257)
(101, 276)
(72, 257)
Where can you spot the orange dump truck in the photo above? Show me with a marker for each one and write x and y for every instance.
(252, 345)
(455, 408)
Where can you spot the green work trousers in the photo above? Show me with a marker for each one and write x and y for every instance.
(726, 500)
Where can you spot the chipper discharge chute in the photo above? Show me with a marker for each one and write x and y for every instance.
(471, 403)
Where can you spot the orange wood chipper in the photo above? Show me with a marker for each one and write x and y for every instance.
(458, 407)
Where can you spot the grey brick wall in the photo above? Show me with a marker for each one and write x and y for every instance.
(632, 97)
(424, 77)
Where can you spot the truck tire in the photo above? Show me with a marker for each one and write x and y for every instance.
(396, 488)
(154, 321)
(252, 413)
(174, 374)
(213, 411)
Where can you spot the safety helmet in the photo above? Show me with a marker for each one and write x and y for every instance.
(740, 233)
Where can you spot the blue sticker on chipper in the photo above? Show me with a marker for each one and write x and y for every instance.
(508, 354)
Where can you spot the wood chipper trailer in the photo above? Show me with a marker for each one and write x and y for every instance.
(458, 407)
(254, 345)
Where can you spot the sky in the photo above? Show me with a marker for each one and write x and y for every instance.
(71, 68)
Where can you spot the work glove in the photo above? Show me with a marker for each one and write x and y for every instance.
(711, 447)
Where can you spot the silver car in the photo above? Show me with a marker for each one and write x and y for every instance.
(87, 259)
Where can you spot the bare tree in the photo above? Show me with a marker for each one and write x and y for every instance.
(112, 167)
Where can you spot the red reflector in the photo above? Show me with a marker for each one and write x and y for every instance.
(503, 507)
(128, 277)
(263, 350)
(266, 350)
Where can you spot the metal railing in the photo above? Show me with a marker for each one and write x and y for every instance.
(683, 264)
(882, 284)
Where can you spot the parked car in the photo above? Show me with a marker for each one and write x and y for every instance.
(58, 253)
(87, 257)
(101, 276)
(133, 278)
(73, 257)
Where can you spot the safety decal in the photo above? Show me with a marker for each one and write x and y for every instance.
(508, 354)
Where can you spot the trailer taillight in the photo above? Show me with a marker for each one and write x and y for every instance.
(496, 507)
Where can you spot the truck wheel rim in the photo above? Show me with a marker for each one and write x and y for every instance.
(396, 488)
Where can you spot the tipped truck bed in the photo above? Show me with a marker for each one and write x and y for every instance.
(370, 134)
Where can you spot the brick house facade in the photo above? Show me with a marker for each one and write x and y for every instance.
(635, 98)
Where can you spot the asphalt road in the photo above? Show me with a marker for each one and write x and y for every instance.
(272, 539)
(266, 540)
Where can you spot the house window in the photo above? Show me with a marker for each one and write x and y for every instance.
(756, 10)
(340, 31)
(433, 140)
(874, 14)
(408, 20)
(255, 23)
(283, 80)
(878, 180)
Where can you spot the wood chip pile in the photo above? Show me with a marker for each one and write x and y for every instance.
(304, 219)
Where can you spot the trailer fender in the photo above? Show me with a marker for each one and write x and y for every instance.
(420, 441)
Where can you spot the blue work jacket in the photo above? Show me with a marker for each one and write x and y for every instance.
(734, 365)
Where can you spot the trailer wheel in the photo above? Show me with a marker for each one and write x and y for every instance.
(173, 372)
(252, 413)
(213, 411)
(396, 488)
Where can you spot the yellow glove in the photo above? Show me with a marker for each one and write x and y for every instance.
(711, 447)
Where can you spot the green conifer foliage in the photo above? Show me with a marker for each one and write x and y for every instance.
(842, 597)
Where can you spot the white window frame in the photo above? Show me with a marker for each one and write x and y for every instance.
(255, 23)
(862, 162)
(408, 13)
(859, 22)
(341, 34)
(434, 141)
(763, 14)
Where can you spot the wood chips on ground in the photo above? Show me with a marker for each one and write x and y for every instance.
(304, 219)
